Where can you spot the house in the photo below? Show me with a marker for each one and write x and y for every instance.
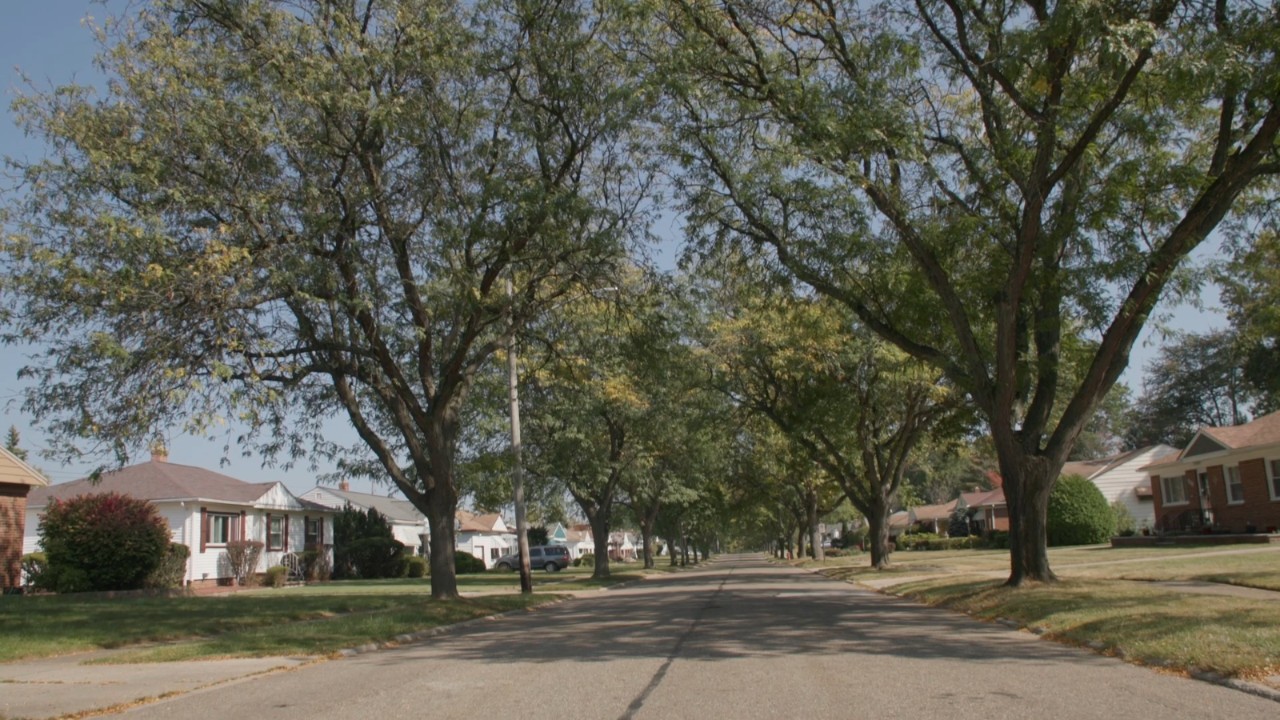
(204, 510)
(577, 538)
(486, 537)
(17, 479)
(899, 523)
(931, 518)
(985, 509)
(408, 525)
(1122, 478)
(622, 546)
(1226, 478)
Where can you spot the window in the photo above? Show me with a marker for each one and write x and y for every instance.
(314, 533)
(1173, 491)
(277, 532)
(493, 553)
(222, 528)
(1273, 475)
(1235, 488)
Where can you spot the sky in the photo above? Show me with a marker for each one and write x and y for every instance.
(50, 43)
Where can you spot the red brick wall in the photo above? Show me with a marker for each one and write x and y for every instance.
(1258, 509)
(13, 519)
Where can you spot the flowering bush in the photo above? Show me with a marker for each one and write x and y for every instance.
(101, 542)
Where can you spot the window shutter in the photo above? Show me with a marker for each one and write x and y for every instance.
(266, 540)
(285, 546)
(204, 529)
(244, 535)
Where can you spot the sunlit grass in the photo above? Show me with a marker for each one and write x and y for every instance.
(40, 626)
(1145, 623)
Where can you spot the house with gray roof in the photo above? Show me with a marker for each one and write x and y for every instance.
(205, 510)
(408, 524)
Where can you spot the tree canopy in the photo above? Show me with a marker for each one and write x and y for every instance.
(280, 212)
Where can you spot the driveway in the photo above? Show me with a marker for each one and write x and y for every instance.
(740, 638)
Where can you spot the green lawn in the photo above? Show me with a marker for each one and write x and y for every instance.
(308, 620)
(302, 620)
(1108, 598)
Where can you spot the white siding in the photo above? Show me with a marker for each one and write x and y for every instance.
(1122, 481)
(31, 533)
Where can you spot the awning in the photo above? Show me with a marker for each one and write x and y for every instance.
(409, 535)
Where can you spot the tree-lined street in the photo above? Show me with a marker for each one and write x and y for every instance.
(735, 638)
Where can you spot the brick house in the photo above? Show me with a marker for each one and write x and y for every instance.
(1227, 478)
(16, 480)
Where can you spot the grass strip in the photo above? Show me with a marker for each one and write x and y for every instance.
(1143, 623)
(327, 636)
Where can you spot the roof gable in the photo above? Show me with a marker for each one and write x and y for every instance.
(392, 508)
(15, 471)
(1203, 444)
(160, 481)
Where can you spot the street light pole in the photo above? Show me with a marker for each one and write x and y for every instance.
(517, 459)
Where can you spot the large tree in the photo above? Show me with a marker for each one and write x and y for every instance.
(1197, 380)
(853, 405)
(283, 211)
(1250, 281)
(980, 181)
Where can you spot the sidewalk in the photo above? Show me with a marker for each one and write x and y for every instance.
(67, 685)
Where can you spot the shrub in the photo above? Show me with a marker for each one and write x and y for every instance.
(242, 558)
(1078, 513)
(996, 540)
(364, 545)
(33, 571)
(588, 560)
(466, 563)
(958, 524)
(416, 567)
(316, 565)
(275, 576)
(107, 541)
(172, 569)
(1125, 524)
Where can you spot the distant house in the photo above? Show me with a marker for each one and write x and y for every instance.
(577, 538)
(408, 525)
(486, 537)
(1123, 478)
(622, 546)
(985, 509)
(1226, 478)
(899, 523)
(931, 518)
(205, 510)
(17, 479)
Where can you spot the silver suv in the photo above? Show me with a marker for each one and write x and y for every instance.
(551, 558)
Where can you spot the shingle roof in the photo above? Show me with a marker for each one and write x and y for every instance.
(925, 513)
(983, 498)
(392, 508)
(1261, 431)
(158, 481)
(1092, 468)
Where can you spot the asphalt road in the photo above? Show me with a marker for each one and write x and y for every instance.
(739, 639)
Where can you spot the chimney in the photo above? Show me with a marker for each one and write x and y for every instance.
(159, 453)
(344, 485)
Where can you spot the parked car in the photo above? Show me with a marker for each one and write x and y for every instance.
(551, 558)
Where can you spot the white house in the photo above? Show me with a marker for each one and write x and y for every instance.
(577, 539)
(1122, 477)
(486, 537)
(205, 510)
(408, 525)
(622, 546)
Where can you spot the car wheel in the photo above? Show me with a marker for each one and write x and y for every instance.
(504, 567)
(552, 567)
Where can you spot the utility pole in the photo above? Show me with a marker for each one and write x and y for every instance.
(517, 458)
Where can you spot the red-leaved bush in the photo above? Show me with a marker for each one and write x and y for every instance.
(101, 542)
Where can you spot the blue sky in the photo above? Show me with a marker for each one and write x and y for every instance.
(49, 42)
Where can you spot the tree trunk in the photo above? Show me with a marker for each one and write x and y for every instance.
(815, 533)
(878, 536)
(647, 524)
(1027, 483)
(600, 536)
(442, 505)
